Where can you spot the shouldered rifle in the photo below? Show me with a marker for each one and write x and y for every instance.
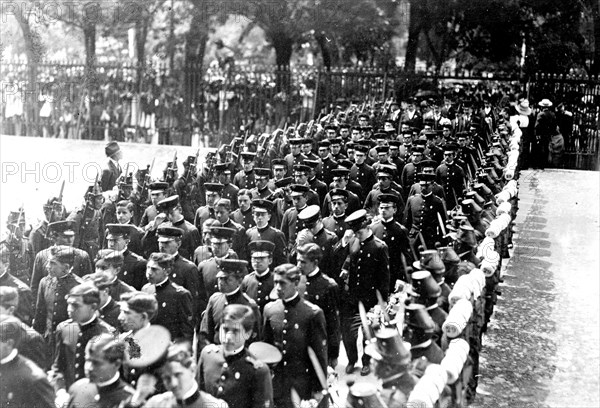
(85, 220)
(147, 178)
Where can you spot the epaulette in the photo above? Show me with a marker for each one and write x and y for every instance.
(255, 363)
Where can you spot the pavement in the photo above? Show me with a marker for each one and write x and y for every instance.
(542, 348)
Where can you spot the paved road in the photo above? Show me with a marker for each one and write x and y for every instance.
(543, 348)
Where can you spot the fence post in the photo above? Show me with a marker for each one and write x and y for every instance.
(316, 98)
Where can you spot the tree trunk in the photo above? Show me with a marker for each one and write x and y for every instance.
(141, 34)
(283, 46)
(34, 52)
(89, 39)
(414, 30)
(322, 41)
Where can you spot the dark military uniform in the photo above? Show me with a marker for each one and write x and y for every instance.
(451, 177)
(328, 164)
(85, 394)
(184, 190)
(175, 311)
(395, 237)
(354, 204)
(435, 189)
(337, 225)
(118, 288)
(190, 239)
(364, 175)
(372, 201)
(292, 327)
(81, 266)
(202, 214)
(239, 242)
(319, 187)
(23, 310)
(409, 176)
(37, 238)
(71, 340)
(211, 320)
(264, 193)
(275, 236)
(207, 272)
(259, 287)
(184, 273)
(133, 271)
(421, 215)
(244, 179)
(230, 192)
(326, 240)
(323, 292)
(240, 379)
(291, 225)
(245, 219)
(51, 305)
(110, 313)
(149, 215)
(292, 160)
(88, 235)
(24, 384)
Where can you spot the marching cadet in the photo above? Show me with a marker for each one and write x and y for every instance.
(158, 192)
(451, 177)
(365, 270)
(325, 239)
(301, 172)
(228, 370)
(178, 375)
(295, 156)
(125, 211)
(133, 270)
(39, 239)
(432, 150)
(290, 225)
(109, 264)
(322, 291)
(183, 271)
(245, 177)
(51, 306)
(190, 238)
(361, 172)
(261, 178)
(108, 309)
(385, 175)
(239, 242)
(23, 384)
(327, 163)
(113, 171)
(87, 222)
(422, 214)
(230, 191)
(230, 276)
(32, 343)
(23, 310)
(282, 200)
(261, 212)
(279, 168)
(340, 182)
(395, 235)
(73, 335)
(175, 311)
(259, 283)
(103, 386)
(108, 210)
(213, 194)
(436, 189)
(411, 169)
(307, 150)
(314, 183)
(220, 242)
(339, 203)
(61, 233)
(336, 150)
(204, 251)
(243, 214)
(293, 324)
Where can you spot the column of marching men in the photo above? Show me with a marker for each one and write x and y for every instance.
(237, 282)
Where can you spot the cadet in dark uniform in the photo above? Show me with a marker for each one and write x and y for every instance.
(103, 386)
(395, 235)
(295, 156)
(183, 272)
(314, 183)
(23, 383)
(109, 263)
(335, 222)
(421, 214)
(385, 174)
(361, 172)
(301, 172)
(323, 292)
(228, 370)
(230, 191)
(190, 238)
(366, 270)
(73, 335)
(39, 239)
(340, 182)
(239, 242)
(261, 210)
(108, 309)
(230, 276)
(428, 168)
(318, 234)
(259, 283)
(51, 305)
(451, 177)
(245, 177)
(220, 242)
(411, 169)
(243, 215)
(158, 192)
(293, 324)
(261, 177)
(327, 162)
(23, 310)
(175, 311)
(213, 194)
(62, 235)
(290, 225)
(133, 270)
(87, 222)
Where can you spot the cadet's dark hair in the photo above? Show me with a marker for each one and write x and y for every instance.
(111, 347)
(244, 192)
(9, 297)
(141, 302)
(89, 293)
(312, 251)
(180, 353)
(288, 271)
(240, 313)
(165, 261)
(111, 257)
(127, 204)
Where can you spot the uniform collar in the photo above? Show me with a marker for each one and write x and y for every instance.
(264, 275)
(162, 284)
(370, 238)
(314, 274)
(178, 223)
(233, 295)
(422, 345)
(103, 386)
(11, 356)
(89, 323)
(263, 229)
(190, 397)
(293, 301)
(235, 355)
